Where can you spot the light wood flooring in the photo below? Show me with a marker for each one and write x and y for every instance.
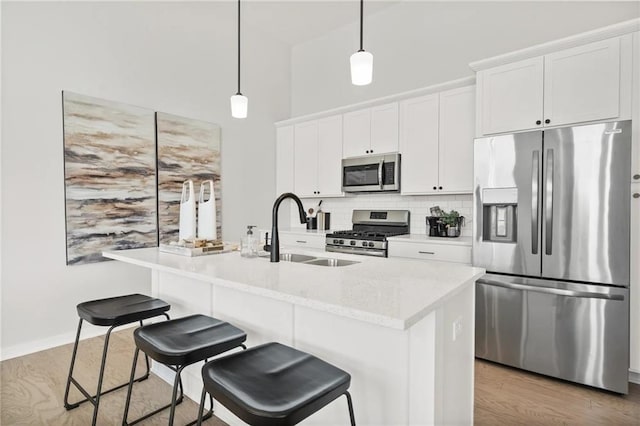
(32, 391)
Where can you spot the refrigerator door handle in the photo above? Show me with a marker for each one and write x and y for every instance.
(550, 290)
(548, 204)
(535, 175)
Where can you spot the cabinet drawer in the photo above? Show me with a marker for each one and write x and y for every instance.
(445, 252)
(301, 240)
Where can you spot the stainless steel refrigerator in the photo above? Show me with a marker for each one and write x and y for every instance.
(551, 227)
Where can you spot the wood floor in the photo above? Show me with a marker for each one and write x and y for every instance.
(32, 391)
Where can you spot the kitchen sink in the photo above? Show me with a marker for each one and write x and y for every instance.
(292, 257)
(330, 262)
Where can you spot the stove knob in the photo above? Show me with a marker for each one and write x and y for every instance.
(364, 244)
(371, 244)
(353, 243)
(341, 242)
(335, 241)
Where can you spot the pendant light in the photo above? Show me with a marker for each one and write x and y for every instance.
(361, 61)
(239, 103)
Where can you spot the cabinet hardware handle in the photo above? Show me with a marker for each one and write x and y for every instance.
(636, 195)
(434, 188)
(426, 252)
(538, 122)
(439, 187)
(371, 151)
(547, 121)
(367, 151)
(636, 177)
(301, 241)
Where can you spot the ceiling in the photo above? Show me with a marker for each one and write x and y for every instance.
(297, 21)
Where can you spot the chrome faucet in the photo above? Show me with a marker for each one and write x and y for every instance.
(274, 248)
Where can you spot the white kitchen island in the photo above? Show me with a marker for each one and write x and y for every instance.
(402, 328)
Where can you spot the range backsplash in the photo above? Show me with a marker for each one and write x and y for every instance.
(341, 208)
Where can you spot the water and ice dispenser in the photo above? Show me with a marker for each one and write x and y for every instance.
(500, 215)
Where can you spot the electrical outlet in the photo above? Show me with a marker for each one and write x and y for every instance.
(457, 328)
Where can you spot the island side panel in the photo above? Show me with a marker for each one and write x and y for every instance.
(375, 356)
(422, 371)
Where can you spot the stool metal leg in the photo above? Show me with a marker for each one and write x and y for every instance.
(73, 361)
(352, 417)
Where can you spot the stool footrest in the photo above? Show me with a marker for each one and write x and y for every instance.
(92, 398)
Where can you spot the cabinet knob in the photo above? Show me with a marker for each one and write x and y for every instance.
(636, 195)
(371, 151)
(538, 122)
(434, 188)
(636, 177)
(367, 151)
(547, 121)
(439, 187)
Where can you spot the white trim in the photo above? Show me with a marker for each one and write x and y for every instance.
(598, 34)
(634, 376)
(27, 348)
(440, 87)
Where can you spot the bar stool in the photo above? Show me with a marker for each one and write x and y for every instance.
(111, 312)
(274, 384)
(177, 344)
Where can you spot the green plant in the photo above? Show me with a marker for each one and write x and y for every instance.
(451, 218)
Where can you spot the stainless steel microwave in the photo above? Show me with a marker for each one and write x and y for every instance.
(371, 173)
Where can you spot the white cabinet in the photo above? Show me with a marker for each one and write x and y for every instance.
(318, 158)
(284, 159)
(585, 83)
(455, 150)
(635, 147)
(511, 96)
(371, 131)
(430, 251)
(635, 278)
(293, 239)
(436, 142)
(419, 144)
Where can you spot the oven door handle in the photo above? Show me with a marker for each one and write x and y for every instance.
(380, 174)
(550, 290)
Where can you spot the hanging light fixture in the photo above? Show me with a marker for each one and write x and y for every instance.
(239, 102)
(361, 61)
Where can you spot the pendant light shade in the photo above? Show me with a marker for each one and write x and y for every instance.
(239, 106)
(361, 61)
(361, 68)
(239, 102)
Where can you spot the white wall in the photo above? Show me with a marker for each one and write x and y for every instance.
(171, 57)
(417, 44)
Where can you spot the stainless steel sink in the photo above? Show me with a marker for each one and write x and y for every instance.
(292, 257)
(330, 262)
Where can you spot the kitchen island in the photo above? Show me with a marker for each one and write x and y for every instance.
(402, 328)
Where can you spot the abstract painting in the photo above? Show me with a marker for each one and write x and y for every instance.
(187, 149)
(110, 177)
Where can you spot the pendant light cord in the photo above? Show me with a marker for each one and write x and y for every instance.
(239, 93)
(361, 23)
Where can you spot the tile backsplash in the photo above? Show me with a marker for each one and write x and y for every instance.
(418, 205)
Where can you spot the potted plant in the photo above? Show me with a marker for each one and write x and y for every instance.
(451, 221)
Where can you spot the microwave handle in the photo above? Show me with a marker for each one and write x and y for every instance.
(380, 177)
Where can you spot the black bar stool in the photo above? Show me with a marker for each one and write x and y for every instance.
(274, 384)
(177, 344)
(111, 312)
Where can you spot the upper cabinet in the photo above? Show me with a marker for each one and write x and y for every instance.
(436, 142)
(318, 158)
(284, 160)
(585, 83)
(371, 131)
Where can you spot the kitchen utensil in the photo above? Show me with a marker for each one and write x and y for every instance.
(207, 212)
(187, 227)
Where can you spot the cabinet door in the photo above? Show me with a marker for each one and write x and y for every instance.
(455, 150)
(356, 133)
(419, 145)
(511, 96)
(635, 278)
(330, 156)
(306, 159)
(384, 128)
(284, 160)
(582, 83)
(635, 123)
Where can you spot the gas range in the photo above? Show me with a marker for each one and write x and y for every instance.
(370, 231)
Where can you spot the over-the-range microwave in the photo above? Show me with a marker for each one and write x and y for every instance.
(371, 173)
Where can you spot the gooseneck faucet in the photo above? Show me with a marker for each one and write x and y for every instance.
(275, 241)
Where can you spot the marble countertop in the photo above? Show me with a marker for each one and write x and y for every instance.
(394, 293)
(422, 238)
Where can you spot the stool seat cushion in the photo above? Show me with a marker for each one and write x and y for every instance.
(122, 309)
(273, 384)
(186, 340)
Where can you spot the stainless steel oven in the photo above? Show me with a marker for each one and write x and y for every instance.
(371, 173)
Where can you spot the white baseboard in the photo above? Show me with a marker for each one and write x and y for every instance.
(88, 331)
(634, 377)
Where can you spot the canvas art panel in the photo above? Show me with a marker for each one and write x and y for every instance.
(187, 149)
(110, 177)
